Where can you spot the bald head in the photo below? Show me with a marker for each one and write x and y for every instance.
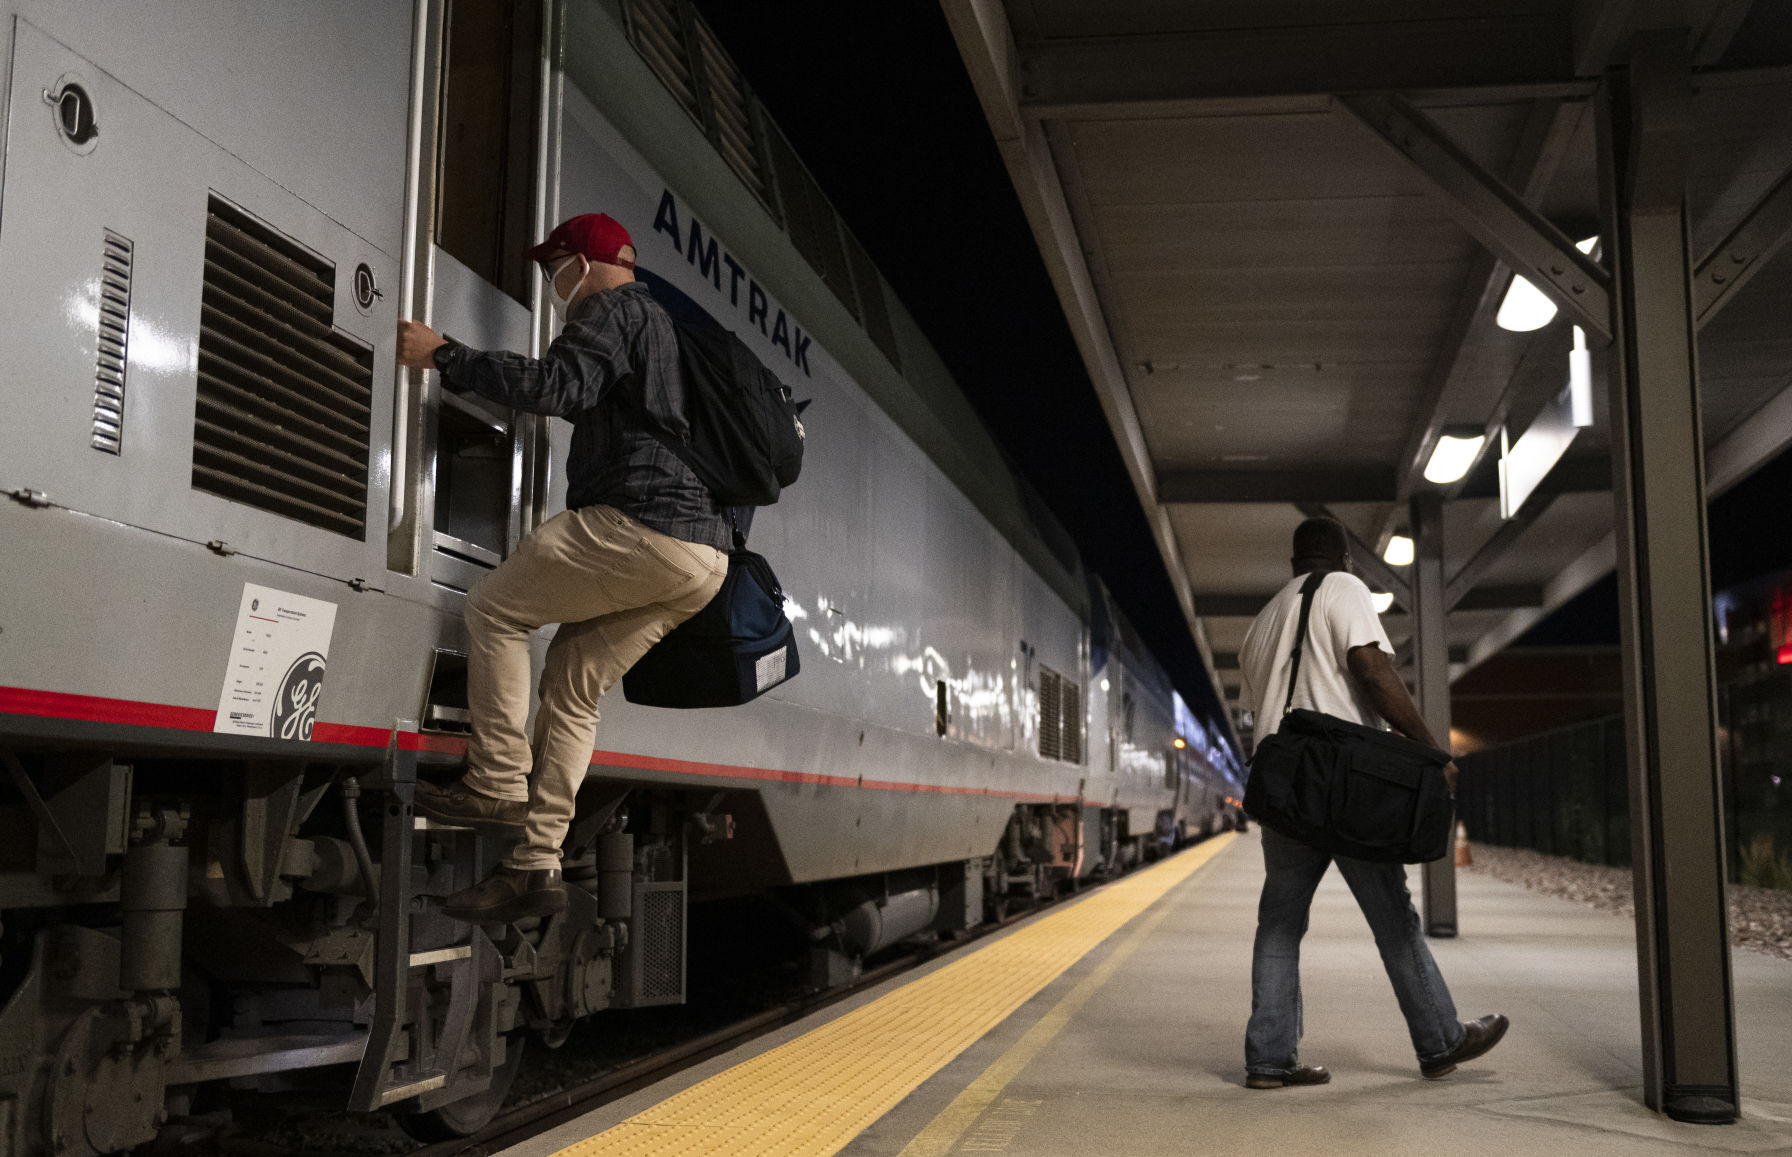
(1320, 544)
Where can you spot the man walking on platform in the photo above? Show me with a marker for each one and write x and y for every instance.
(1348, 673)
(640, 548)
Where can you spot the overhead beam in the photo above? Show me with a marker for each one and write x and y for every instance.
(1156, 75)
(1292, 486)
(1368, 563)
(1748, 248)
(986, 44)
(1495, 548)
(1549, 128)
(1497, 217)
(1231, 607)
(1757, 439)
(1568, 476)
(1511, 597)
(1726, 22)
(1599, 27)
(1508, 597)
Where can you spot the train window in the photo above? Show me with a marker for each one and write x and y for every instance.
(490, 95)
(473, 473)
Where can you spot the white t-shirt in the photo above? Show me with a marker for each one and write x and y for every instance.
(1343, 618)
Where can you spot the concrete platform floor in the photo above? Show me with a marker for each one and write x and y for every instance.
(1138, 1048)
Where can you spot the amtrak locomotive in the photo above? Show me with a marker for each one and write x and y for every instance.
(235, 542)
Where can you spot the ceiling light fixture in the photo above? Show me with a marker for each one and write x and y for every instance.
(1454, 454)
(1399, 552)
(1382, 600)
(1525, 307)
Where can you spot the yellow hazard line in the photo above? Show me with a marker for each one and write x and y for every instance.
(943, 1132)
(813, 1095)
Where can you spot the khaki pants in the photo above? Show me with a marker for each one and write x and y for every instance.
(616, 587)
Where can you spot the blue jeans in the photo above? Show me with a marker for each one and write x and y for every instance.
(1294, 869)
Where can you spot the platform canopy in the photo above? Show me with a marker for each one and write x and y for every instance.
(1282, 231)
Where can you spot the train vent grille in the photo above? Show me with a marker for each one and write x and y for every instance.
(813, 225)
(658, 32)
(1060, 717)
(114, 341)
(284, 400)
(697, 71)
(662, 953)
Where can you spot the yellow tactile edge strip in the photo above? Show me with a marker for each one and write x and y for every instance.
(811, 1096)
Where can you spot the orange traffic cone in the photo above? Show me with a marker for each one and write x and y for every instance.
(1463, 858)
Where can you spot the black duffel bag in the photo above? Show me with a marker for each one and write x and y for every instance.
(732, 651)
(1345, 788)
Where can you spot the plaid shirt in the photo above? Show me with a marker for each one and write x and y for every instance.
(616, 340)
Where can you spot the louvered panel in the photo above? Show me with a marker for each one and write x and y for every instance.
(814, 229)
(283, 413)
(731, 112)
(874, 308)
(249, 394)
(282, 353)
(114, 323)
(657, 36)
(1070, 706)
(745, 166)
(1060, 717)
(1050, 729)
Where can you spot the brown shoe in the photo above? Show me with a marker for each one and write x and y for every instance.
(507, 895)
(1478, 1038)
(1303, 1075)
(458, 805)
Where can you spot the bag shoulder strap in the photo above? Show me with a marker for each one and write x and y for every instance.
(1307, 590)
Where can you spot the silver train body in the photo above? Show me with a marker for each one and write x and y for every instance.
(235, 542)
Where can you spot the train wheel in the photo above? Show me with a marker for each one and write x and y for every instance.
(468, 1115)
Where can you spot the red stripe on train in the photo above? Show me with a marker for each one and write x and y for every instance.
(93, 709)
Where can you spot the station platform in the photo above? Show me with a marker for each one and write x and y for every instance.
(1115, 1022)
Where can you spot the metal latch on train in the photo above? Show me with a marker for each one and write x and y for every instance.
(29, 496)
(713, 826)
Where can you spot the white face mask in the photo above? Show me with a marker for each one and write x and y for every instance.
(564, 302)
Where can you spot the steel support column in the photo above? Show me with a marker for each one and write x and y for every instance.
(1677, 822)
(1431, 669)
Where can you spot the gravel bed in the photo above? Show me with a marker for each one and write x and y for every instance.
(1760, 918)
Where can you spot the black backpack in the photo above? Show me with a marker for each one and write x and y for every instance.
(746, 441)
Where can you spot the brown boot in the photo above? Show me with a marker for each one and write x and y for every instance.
(458, 805)
(507, 895)
(1478, 1038)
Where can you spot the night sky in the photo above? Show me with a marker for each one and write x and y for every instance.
(876, 101)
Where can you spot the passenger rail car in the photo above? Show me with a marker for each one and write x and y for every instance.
(235, 542)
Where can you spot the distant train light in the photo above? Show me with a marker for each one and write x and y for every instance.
(1785, 655)
(1181, 743)
(1454, 454)
(1399, 552)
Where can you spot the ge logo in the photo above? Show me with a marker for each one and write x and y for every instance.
(295, 708)
(255, 604)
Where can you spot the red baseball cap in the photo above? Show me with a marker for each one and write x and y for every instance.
(596, 236)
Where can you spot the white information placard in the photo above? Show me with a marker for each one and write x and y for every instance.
(276, 667)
